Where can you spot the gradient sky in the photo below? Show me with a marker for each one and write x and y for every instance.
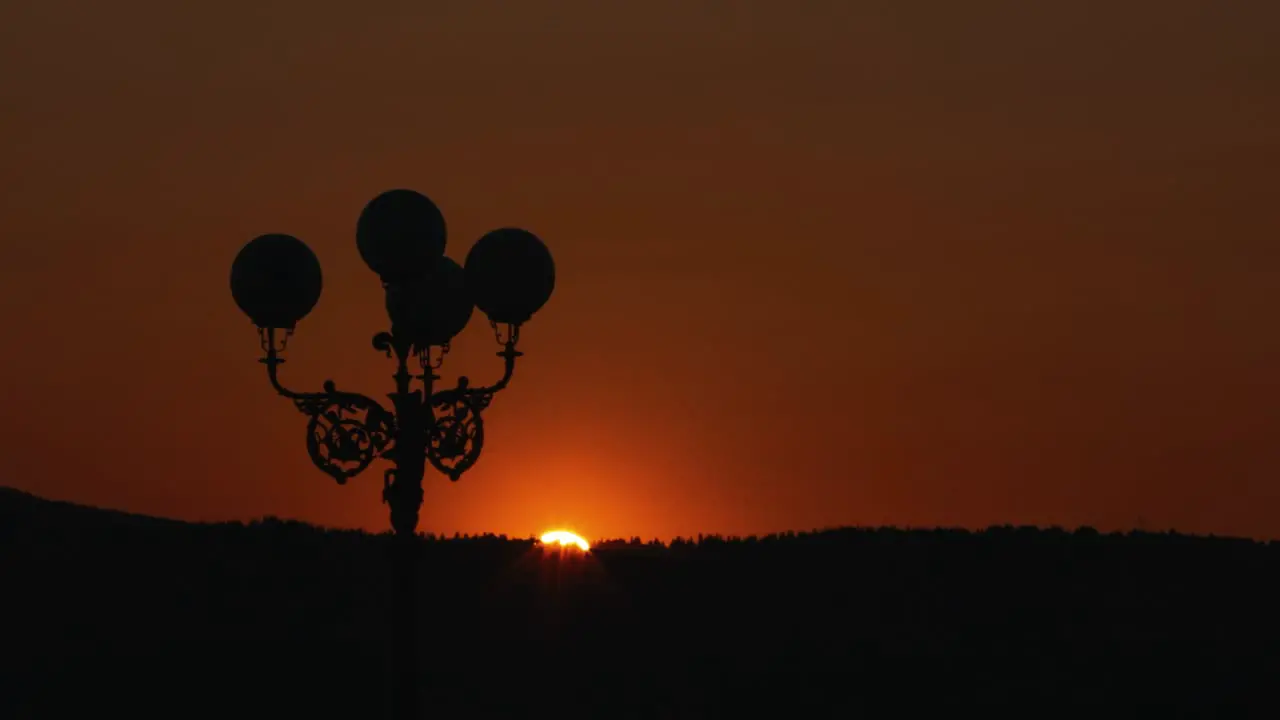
(820, 262)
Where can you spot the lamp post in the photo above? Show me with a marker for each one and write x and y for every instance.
(508, 274)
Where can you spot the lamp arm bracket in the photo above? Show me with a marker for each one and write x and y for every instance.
(346, 431)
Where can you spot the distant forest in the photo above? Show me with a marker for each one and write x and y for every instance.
(108, 613)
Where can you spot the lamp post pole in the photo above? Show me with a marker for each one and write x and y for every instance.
(509, 275)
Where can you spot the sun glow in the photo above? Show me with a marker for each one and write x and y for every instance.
(564, 538)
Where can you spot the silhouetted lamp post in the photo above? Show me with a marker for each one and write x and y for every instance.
(400, 235)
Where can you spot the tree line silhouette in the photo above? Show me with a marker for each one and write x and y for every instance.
(110, 612)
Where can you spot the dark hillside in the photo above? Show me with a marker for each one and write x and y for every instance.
(119, 613)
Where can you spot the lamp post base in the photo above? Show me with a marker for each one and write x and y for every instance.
(403, 493)
(405, 692)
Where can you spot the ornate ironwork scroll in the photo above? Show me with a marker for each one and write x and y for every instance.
(347, 431)
(457, 435)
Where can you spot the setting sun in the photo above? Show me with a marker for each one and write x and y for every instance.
(564, 538)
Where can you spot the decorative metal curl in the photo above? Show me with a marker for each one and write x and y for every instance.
(457, 435)
(429, 360)
(347, 431)
(505, 333)
(270, 343)
(389, 343)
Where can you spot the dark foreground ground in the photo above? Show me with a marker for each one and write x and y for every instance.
(118, 615)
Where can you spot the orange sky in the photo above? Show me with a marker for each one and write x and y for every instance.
(820, 262)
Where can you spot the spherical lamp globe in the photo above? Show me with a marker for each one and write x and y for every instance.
(276, 280)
